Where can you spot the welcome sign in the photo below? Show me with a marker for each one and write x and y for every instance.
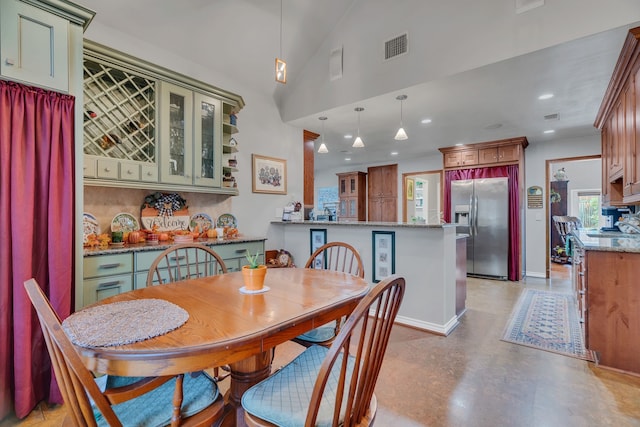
(150, 217)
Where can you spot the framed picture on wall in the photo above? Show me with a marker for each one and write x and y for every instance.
(317, 238)
(384, 254)
(269, 175)
(410, 184)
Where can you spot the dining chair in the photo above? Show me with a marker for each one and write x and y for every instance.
(336, 256)
(184, 261)
(331, 386)
(565, 225)
(186, 399)
(187, 261)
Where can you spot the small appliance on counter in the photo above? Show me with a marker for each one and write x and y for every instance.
(611, 216)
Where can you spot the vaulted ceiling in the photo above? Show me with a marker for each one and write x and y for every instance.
(492, 101)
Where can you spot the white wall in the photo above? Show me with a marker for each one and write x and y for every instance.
(261, 131)
(437, 46)
(535, 219)
(581, 177)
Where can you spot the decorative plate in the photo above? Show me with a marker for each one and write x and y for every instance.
(90, 226)
(227, 220)
(124, 222)
(202, 220)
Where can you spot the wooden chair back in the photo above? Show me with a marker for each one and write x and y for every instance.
(77, 383)
(337, 256)
(370, 327)
(185, 261)
(565, 225)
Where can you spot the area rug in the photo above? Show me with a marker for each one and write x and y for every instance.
(547, 321)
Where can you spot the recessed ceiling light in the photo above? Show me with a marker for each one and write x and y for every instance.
(459, 144)
(545, 96)
(549, 131)
(394, 153)
(348, 159)
(348, 136)
(425, 121)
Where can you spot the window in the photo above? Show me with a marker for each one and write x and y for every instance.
(588, 207)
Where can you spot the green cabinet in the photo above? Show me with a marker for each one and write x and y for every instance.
(110, 274)
(149, 128)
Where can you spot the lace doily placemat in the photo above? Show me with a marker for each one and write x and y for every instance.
(123, 322)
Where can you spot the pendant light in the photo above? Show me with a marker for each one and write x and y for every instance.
(401, 135)
(281, 65)
(323, 147)
(358, 143)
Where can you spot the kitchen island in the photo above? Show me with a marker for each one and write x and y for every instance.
(425, 255)
(605, 269)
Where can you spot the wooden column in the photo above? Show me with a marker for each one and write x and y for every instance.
(308, 195)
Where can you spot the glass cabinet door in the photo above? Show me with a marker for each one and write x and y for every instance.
(207, 136)
(352, 207)
(176, 106)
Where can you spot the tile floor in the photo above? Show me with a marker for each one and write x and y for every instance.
(471, 378)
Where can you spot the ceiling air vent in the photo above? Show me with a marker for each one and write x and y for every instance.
(553, 116)
(395, 47)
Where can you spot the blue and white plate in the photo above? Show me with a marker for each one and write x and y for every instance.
(202, 220)
(227, 220)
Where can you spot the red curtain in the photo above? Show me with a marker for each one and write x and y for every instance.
(510, 171)
(36, 235)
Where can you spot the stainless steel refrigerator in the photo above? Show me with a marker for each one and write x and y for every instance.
(480, 208)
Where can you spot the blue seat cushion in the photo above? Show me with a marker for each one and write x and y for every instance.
(155, 407)
(321, 334)
(283, 398)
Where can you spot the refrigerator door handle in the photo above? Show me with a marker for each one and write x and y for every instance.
(475, 215)
(471, 214)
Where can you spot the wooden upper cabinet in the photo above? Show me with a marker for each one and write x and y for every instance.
(485, 153)
(617, 119)
(457, 159)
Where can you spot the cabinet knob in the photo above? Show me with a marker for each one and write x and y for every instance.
(9, 61)
(107, 169)
(129, 172)
(149, 174)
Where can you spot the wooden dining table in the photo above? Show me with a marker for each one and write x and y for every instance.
(227, 327)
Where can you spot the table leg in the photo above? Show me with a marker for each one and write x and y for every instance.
(244, 374)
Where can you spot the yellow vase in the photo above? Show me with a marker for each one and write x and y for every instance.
(254, 277)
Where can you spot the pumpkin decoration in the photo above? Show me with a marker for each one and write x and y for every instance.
(134, 237)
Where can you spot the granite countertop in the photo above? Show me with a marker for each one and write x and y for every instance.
(142, 247)
(596, 240)
(364, 224)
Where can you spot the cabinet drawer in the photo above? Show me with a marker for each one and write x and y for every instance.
(89, 168)
(141, 279)
(149, 173)
(107, 265)
(104, 287)
(129, 171)
(145, 259)
(238, 250)
(107, 168)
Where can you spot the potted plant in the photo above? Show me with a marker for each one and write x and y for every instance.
(253, 274)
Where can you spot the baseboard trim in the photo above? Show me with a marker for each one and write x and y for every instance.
(428, 326)
(536, 274)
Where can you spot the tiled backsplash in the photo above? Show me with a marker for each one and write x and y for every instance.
(104, 203)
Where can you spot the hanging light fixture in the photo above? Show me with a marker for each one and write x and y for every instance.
(358, 142)
(401, 135)
(323, 147)
(281, 65)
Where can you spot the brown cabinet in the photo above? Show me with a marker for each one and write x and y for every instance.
(352, 190)
(383, 193)
(463, 158)
(492, 153)
(619, 111)
(608, 295)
